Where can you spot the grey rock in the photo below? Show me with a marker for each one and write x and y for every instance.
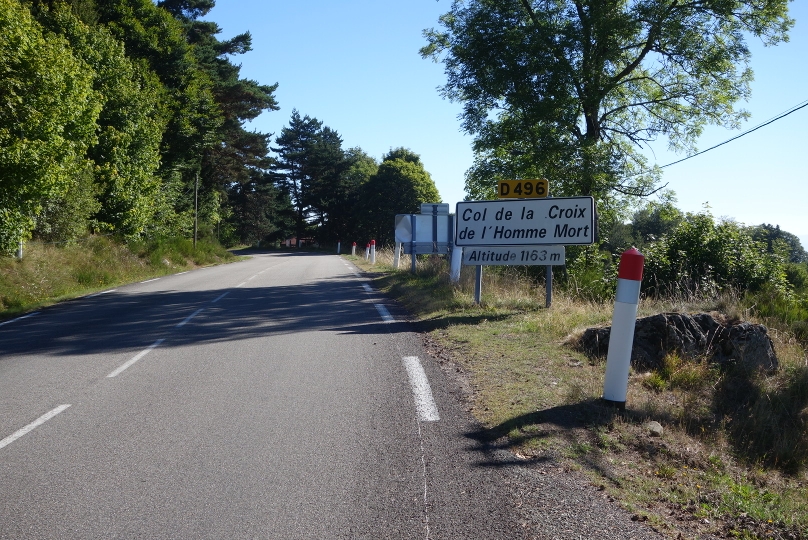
(655, 428)
(691, 336)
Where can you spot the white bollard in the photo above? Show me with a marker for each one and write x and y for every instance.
(367, 252)
(456, 264)
(621, 338)
(353, 249)
(397, 255)
(373, 252)
(338, 246)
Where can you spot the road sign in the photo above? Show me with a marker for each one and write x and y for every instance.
(432, 233)
(553, 221)
(438, 209)
(523, 189)
(514, 255)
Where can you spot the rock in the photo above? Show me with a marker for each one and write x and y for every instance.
(655, 428)
(747, 345)
(744, 344)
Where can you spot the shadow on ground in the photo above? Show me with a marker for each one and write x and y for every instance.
(129, 319)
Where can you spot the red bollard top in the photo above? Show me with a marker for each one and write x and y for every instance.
(631, 265)
(354, 243)
(373, 242)
(368, 245)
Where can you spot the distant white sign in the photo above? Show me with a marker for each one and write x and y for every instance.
(554, 221)
(441, 209)
(514, 255)
(432, 233)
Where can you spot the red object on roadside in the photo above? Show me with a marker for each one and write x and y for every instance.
(621, 335)
(631, 265)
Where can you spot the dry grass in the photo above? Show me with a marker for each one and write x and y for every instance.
(49, 273)
(732, 459)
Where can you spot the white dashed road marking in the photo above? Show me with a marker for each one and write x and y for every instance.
(189, 317)
(137, 357)
(32, 426)
(385, 315)
(421, 391)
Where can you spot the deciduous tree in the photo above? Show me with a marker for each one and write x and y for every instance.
(571, 89)
(399, 187)
(48, 112)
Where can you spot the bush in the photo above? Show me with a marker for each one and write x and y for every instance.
(702, 255)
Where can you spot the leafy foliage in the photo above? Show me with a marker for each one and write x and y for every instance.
(702, 255)
(47, 120)
(399, 187)
(570, 90)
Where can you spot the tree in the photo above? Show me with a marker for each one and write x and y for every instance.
(261, 212)
(152, 35)
(310, 165)
(239, 155)
(47, 120)
(399, 187)
(702, 256)
(775, 237)
(129, 128)
(346, 214)
(572, 89)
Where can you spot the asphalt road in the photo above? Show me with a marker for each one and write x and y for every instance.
(278, 397)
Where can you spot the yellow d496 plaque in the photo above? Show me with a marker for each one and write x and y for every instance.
(523, 189)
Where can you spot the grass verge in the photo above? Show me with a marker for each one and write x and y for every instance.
(47, 273)
(732, 459)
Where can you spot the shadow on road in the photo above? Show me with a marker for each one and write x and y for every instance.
(124, 320)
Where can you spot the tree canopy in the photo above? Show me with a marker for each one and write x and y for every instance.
(572, 89)
(399, 187)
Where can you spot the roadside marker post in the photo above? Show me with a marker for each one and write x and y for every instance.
(353, 249)
(456, 264)
(367, 252)
(397, 255)
(373, 252)
(478, 284)
(621, 338)
(338, 246)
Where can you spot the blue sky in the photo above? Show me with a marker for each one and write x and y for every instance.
(354, 65)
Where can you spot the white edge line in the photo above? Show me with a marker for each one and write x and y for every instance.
(385, 315)
(32, 426)
(421, 391)
(137, 357)
(189, 317)
(150, 280)
(20, 318)
(220, 297)
(241, 284)
(100, 293)
(181, 273)
(367, 287)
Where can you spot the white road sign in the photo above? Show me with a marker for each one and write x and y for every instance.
(514, 255)
(554, 221)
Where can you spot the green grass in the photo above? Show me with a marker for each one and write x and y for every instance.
(48, 274)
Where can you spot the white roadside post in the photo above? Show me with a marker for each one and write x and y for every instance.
(621, 338)
(338, 246)
(353, 249)
(397, 256)
(457, 262)
(367, 252)
(373, 252)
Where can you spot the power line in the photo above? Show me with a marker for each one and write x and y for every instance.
(793, 109)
